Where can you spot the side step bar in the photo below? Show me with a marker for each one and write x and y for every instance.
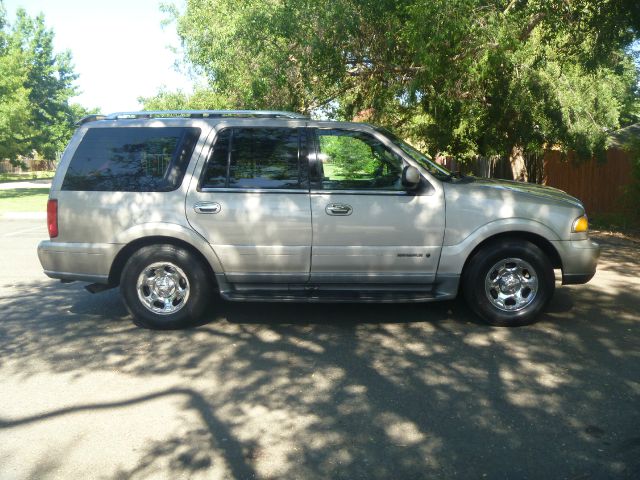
(329, 296)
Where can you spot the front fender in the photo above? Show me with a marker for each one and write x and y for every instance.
(453, 257)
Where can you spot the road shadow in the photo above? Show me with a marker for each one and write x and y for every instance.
(361, 391)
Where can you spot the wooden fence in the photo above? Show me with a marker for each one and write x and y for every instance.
(600, 185)
(32, 165)
(495, 167)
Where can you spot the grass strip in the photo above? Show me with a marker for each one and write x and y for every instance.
(24, 200)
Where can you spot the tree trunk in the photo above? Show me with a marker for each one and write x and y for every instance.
(518, 167)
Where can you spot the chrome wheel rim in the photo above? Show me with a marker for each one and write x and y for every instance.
(511, 284)
(163, 288)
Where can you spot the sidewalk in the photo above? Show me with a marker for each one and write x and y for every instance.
(42, 183)
(23, 216)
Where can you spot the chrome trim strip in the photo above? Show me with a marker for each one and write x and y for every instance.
(253, 190)
(398, 193)
(342, 276)
(269, 274)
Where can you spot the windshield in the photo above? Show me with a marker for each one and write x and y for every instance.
(422, 159)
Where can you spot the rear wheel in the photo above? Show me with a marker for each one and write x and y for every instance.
(509, 283)
(164, 287)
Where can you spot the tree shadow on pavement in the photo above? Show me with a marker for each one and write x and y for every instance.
(361, 391)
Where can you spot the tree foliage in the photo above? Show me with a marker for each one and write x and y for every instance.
(200, 99)
(463, 77)
(35, 87)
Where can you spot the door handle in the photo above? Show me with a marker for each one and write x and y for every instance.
(338, 209)
(207, 207)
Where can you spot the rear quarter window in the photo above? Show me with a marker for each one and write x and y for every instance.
(131, 159)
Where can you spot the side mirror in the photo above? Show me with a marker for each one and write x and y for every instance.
(410, 177)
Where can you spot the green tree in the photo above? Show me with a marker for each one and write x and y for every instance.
(463, 77)
(200, 99)
(15, 130)
(36, 85)
(50, 80)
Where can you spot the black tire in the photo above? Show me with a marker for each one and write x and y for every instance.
(174, 287)
(500, 287)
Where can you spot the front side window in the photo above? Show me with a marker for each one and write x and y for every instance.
(131, 159)
(256, 158)
(423, 160)
(351, 160)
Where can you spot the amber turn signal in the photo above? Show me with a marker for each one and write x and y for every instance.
(580, 224)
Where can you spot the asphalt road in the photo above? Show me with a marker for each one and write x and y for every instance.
(316, 391)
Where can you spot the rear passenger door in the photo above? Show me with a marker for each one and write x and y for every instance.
(251, 203)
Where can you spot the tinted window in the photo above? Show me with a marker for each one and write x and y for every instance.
(215, 174)
(256, 158)
(355, 160)
(131, 159)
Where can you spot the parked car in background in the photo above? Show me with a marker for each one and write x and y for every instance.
(273, 206)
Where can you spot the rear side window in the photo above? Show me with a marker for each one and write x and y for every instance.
(131, 159)
(257, 158)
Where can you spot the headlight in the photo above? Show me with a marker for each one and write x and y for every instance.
(580, 224)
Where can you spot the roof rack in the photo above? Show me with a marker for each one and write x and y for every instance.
(193, 114)
(90, 118)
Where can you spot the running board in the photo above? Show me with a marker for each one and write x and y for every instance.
(329, 296)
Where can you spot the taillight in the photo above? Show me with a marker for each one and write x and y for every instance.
(52, 218)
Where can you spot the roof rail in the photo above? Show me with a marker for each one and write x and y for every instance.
(90, 118)
(203, 114)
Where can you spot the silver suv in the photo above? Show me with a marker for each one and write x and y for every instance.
(273, 206)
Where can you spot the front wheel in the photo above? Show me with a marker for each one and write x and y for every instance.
(164, 287)
(509, 283)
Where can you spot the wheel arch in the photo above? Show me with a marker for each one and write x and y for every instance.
(129, 249)
(542, 243)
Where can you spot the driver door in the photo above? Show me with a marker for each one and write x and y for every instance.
(367, 228)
